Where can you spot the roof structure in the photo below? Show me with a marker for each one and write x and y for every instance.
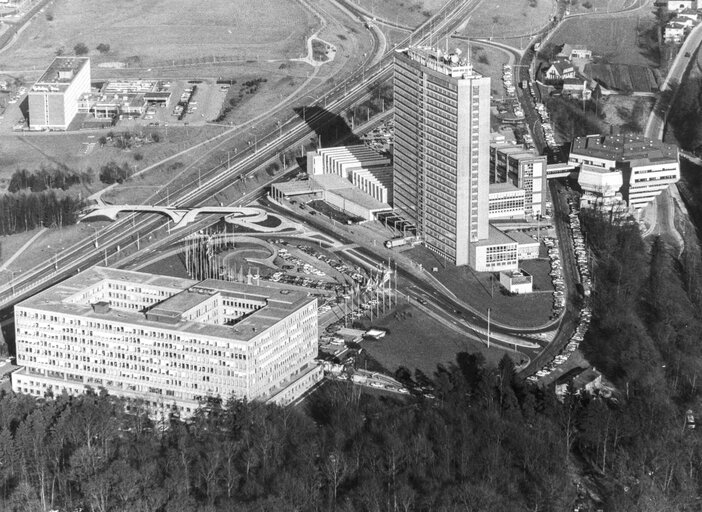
(625, 148)
(77, 296)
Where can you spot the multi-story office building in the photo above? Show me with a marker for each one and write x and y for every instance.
(648, 167)
(54, 98)
(367, 169)
(166, 341)
(506, 201)
(441, 150)
(524, 168)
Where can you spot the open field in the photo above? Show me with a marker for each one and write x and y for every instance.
(403, 12)
(508, 18)
(488, 61)
(416, 340)
(145, 32)
(482, 292)
(31, 151)
(585, 6)
(624, 78)
(613, 39)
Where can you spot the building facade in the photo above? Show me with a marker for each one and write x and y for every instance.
(506, 201)
(441, 150)
(647, 166)
(53, 99)
(166, 341)
(523, 168)
(367, 169)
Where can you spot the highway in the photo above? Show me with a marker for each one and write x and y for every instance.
(115, 237)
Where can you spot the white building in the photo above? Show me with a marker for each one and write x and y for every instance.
(647, 167)
(517, 281)
(498, 252)
(167, 341)
(523, 168)
(681, 5)
(441, 151)
(53, 99)
(367, 169)
(506, 201)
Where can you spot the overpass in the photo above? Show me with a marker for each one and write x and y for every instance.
(181, 217)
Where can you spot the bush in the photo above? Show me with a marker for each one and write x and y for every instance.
(103, 48)
(155, 137)
(138, 157)
(80, 49)
(49, 16)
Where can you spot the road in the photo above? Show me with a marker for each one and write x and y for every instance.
(664, 216)
(118, 235)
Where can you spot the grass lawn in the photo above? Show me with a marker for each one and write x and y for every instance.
(404, 12)
(416, 340)
(613, 39)
(488, 61)
(482, 292)
(508, 18)
(156, 30)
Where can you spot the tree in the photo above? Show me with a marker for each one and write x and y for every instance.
(80, 49)
(103, 48)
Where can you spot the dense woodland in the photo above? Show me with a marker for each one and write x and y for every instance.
(24, 210)
(486, 442)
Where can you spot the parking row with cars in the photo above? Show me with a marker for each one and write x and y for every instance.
(585, 313)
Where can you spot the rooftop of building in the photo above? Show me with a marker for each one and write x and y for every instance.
(518, 276)
(447, 62)
(495, 237)
(499, 188)
(181, 296)
(344, 188)
(359, 152)
(522, 238)
(61, 72)
(622, 148)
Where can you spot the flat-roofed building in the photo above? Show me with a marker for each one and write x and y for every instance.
(497, 252)
(524, 168)
(367, 169)
(527, 246)
(517, 281)
(648, 167)
(441, 150)
(506, 201)
(53, 99)
(166, 341)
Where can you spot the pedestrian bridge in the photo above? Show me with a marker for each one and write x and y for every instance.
(181, 217)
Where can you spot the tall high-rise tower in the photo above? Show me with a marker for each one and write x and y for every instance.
(441, 153)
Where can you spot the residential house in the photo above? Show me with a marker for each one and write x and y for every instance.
(681, 5)
(674, 32)
(577, 51)
(560, 70)
(690, 14)
(577, 87)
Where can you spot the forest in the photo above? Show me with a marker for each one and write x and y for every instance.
(24, 210)
(487, 441)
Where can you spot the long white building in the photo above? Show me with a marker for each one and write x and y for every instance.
(53, 99)
(166, 341)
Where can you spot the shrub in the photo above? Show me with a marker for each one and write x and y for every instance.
(103, 48)
(80, 49)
